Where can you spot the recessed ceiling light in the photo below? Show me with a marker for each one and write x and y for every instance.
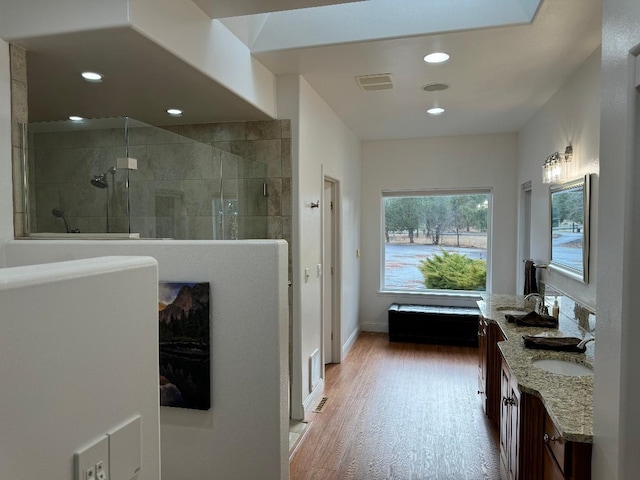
(93, 77)
(75, 118)
(435, 87)
(435, 111)
(436, 57)
(174, 112)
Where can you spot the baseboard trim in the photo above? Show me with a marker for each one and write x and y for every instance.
(349, 343)
(309, 404)
(375, 327)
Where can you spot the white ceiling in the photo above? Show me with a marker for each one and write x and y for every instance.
(498, 77)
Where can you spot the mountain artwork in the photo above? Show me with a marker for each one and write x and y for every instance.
(185, 358)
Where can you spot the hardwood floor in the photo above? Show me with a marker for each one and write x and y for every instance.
(400, 411)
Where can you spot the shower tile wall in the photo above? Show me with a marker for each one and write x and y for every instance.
(265, 147)
(182, 189)
(206, 181)
(61, 166)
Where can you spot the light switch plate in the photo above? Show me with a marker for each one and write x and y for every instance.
(87, 458)
(125, 450)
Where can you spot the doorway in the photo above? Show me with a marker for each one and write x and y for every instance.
(525, 230)
(331, 331)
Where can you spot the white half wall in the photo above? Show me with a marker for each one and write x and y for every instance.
(244, 435)
(78, 357)
(570, 117)
(487, 161)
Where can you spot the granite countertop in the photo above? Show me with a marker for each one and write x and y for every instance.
(568, 399)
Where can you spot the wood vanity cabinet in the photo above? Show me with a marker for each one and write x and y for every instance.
(563, 459)
(531, 447)
(489, 367)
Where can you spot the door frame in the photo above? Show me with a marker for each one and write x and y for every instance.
(336, 320)
(524, 232)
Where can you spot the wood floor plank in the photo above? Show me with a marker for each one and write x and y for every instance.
(400, 411)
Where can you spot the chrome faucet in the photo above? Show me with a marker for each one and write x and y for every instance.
(584, 342)
(538, 306)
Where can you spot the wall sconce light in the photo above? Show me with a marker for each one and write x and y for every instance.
(556, 167)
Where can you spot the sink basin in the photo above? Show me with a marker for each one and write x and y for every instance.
(563, 367)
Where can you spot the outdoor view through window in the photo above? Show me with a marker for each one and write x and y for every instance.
(435, 241)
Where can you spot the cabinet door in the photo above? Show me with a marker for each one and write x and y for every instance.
(551, 469)
(483, 355)
(505, 419)
(494, 368)
(514, 437)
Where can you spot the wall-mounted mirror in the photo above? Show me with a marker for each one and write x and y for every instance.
(570, 228)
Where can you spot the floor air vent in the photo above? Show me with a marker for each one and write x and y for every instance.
(321, 405)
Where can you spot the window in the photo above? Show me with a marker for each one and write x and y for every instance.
(436, 241)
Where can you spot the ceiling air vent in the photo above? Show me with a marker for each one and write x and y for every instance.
(380, 81)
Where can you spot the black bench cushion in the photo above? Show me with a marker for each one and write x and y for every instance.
(433, 324)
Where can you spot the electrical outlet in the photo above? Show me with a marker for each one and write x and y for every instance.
(90, 461)
(101, 474)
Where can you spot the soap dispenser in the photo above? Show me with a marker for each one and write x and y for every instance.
(555, 312)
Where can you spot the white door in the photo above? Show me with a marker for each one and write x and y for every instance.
(328, 256)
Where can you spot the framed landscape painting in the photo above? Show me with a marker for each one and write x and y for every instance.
(185, 359)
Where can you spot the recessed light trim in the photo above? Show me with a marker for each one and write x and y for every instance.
(435, 87)
(174, 112)
(93, 77)
(75, 118)
(437, 57)
(435, 111)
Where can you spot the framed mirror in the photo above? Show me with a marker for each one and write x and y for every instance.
(570, 228)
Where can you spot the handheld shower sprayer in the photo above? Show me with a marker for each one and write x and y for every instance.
(59, 213)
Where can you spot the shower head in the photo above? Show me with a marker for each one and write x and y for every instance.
(59, 213)
(100, 181)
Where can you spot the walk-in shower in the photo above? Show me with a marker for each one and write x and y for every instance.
(182, 188)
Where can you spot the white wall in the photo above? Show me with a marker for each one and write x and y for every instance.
(570, 117)
(616, 389)
(6, 187)
(436, 163)
(244, 435)
(322, 145)
(78, 357)
(186, 31)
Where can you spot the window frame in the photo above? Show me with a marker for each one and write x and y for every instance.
(385, 193)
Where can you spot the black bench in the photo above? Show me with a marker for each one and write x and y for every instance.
(433, 324)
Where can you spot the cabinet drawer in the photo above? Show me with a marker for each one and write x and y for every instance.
(554, 441)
